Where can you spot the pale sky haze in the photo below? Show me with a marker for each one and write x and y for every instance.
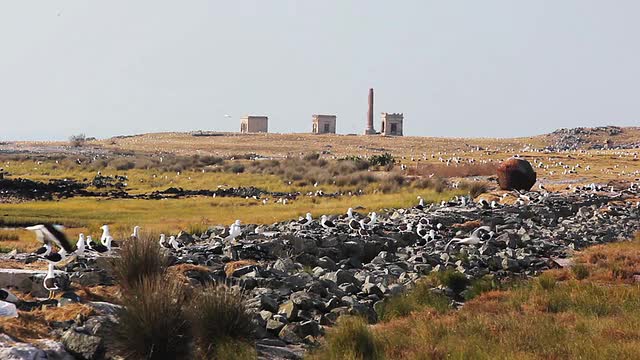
(455, 68)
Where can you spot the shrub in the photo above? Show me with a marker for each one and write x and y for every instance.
(454, 280)
(351, 339)
(152, 324)
(234, 350)
(420, 297)
(312, 156)
(480, 286)
(235, 168)
(218, 315)
(77, 140)
(381, 160)
(439, 185)
(122, 164)
(477, 188)
(580, 271)
(546, 282)
(138, 259)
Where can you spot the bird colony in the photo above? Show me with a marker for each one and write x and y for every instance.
(300, 276)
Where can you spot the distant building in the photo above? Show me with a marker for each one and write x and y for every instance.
(254, 124)
(391, 124)
(324, 124)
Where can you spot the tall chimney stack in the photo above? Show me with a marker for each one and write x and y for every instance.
(369, 130)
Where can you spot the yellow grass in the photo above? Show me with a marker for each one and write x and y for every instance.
(172, 215)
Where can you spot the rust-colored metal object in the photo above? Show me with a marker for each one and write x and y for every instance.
(516, 174)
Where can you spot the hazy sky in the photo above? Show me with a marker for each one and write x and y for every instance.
(455, 68)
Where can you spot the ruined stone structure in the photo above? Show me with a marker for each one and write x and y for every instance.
(369, 130)
(324, 124)
(254, 124)
(391, 124)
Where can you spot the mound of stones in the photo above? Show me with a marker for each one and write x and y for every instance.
(25, 189)
(582, 138)
(301, 280)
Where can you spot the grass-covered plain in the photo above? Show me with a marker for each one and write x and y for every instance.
(381, 189)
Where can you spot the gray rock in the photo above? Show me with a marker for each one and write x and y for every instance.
(289, 334)
(81, 345)
(13, 350)
(289, 310)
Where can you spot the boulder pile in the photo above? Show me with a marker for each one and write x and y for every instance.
(300, 277)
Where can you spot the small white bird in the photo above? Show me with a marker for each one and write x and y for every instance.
(234, 231)
(473, 239)
(81, 245)
(163, 241)
(97, 247)
(350, 213)
(105, 233)
(175, 244)
(136, 233)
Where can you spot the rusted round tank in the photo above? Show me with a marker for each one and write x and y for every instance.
(516, 174)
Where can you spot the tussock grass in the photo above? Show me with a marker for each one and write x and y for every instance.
(476, 188)
(351, 339)
(421, 297)
(152, 324)
(563, 314)
(139, 259)
(218, 319)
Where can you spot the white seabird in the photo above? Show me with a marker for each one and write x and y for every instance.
(473, 239)
(305, 221)
(50, 282)
(136, 233)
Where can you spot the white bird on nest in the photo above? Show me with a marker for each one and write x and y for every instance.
(234, 231)
(326, 223)
(106, 234)
(305, 221)
(473, 239)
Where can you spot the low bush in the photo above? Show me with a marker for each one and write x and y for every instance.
(580, 271)
(454, 280)
(422, 296)
(481, 286)
(235, 168)
(77, 140)
(381, 160)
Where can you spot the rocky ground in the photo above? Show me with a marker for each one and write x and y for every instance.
(18, 189)
(300, 279)
(603, 137)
